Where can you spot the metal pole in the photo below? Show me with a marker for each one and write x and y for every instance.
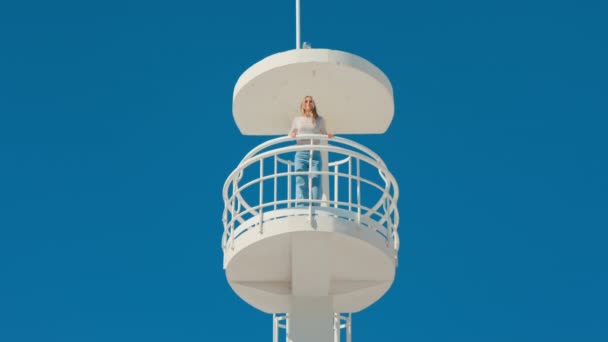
(289, 185)
(261, 195)
(288, 328)
(336, 327)
(336, 188)
(275, 181)
(297, 24)
(359, 191)
(310, 183)
(349, 328)
(275, 328)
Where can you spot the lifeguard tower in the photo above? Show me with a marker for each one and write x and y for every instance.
(311, 267)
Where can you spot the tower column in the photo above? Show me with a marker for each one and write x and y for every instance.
(311, 319)
(311, 316)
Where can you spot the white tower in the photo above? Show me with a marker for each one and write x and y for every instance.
(311, 266)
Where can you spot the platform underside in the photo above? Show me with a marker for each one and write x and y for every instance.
(294, 256)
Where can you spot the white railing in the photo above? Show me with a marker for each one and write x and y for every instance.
(356, 183)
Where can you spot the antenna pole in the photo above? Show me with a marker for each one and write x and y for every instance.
(297, 24)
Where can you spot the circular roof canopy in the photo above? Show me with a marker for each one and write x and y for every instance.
(353, 95)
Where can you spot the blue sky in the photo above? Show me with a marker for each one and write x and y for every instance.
(116, 136)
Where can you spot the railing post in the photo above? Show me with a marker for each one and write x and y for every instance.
(358, 191)
(232, 214)
(337, 327)
(287, 328)
(324, 177)
(388, 226)
(289, 186)
(349, 328)
(261, 205)
(350, 183)
(275, 328)
(275, 181)
(310, 182)
(336, 188)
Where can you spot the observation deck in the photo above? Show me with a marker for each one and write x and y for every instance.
(347, 240)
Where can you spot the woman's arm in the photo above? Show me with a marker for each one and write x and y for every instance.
(329, 135)
(294, 128)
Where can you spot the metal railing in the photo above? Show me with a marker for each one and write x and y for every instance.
(356, 186)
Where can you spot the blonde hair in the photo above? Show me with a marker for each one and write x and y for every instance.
(315, 115)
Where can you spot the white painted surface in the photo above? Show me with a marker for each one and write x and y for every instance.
(353, 95)
(311, 319)
(310, 269)
(328, 256)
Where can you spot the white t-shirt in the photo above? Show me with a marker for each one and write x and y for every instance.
(304, 125)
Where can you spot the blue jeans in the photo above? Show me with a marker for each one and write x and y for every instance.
(301, 161)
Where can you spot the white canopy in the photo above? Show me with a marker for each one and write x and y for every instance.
(353, 95)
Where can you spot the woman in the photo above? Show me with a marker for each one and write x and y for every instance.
(308, 123)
